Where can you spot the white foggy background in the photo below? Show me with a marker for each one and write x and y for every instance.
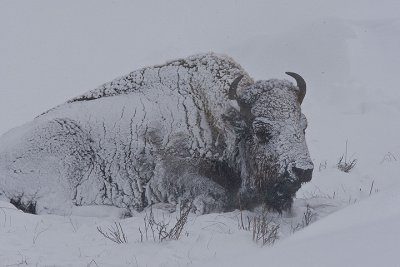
(347, 51)
(51, 51)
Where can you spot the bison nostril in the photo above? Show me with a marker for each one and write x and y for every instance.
(304, 175)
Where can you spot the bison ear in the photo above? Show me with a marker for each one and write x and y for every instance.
(232, 95)
(300, 83)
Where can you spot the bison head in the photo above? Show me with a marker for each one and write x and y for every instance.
(273, 156)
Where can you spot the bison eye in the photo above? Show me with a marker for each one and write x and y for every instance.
(263, 135)
(262, 131)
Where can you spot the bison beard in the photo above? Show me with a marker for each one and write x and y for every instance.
(196, 129)
(270, 187)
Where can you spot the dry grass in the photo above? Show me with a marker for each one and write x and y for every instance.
(308, 218)
(114, 233)
(264, 230)
(346, 164)
(159, 230)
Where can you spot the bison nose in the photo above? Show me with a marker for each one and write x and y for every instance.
(304, 175)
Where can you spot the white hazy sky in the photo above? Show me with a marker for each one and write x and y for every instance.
(51, 51)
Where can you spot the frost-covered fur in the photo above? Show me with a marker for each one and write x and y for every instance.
(161, 134)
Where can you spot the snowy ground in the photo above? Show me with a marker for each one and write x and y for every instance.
(348, 53)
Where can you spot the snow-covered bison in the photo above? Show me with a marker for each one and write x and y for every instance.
(197, 128)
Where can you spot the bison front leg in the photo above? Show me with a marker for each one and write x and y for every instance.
(175, 185)
(207, 196)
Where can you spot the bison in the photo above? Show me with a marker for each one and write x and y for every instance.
(197, 129)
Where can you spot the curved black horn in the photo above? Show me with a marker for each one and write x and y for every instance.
(300, 83)
(232, 90)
